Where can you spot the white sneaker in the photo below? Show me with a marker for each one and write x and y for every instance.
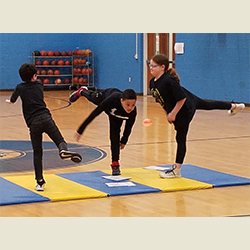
(238, 107)
(172, 173)
(39, 187)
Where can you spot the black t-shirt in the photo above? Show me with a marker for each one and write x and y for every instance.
(31, 94)
(167, 91)
(113, 108)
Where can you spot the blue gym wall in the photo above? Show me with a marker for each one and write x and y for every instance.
(215, 66)
(113, 56)
(16, 49)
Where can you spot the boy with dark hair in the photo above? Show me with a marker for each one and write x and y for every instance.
(119, 106)
(38, 118)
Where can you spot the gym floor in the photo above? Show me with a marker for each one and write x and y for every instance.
(215, 141)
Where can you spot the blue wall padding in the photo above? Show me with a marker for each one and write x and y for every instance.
(94, 180)
(215, 178)
(17, 195)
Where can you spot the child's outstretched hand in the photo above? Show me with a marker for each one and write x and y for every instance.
(8, 101)
(77, 136)
(122, 146)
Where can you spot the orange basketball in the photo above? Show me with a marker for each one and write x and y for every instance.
(60, 62)
(43, 72)
(43, 53)
(50, 72)
(63, 53)
(76, 79)
(53, 62)
(67, 62)
(46, 62)
(66, 81)
(90, 71)
(56, 72)
(46, 81)
(57, 53)
(50, 53)
(38, 63)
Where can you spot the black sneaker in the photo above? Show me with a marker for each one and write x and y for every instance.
(115, 168)
(75, 95)
(75, 157)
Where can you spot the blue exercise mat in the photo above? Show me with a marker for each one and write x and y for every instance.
(94, 180)
(215, 178)
(11, 193)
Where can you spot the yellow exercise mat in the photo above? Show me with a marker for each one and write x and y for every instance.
(57, 188)
(151, 178)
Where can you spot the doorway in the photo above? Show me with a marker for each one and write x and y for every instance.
(157, 43)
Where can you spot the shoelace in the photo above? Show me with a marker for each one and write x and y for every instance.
(171, 170)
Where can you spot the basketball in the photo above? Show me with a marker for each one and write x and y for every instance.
(76, 79)
(50, 53)
(88, 52)
(53, 62)
(45, 62)
(66, 81)
(57, 53)
(38, 63)
(90, 71)
(80, 80)
(37, 53)
(147, 122)
(56, 72)
(43, 72)
(43, 53)
(50, 72)
(63, 53)
(46, 81)
(67, 62)
(60, 62)
(58, 81)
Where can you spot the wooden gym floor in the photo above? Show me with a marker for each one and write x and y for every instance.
(215, 141)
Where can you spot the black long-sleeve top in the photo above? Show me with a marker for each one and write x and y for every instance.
(113, 108)
(31, 94)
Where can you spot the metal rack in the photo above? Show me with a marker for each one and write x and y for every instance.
(68, 71)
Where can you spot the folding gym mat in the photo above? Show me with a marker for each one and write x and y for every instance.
(94, 184)
(11, 194)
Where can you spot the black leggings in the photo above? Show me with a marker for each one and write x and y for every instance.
(182, 123)
(97, 97)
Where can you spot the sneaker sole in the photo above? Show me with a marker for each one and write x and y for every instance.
(39, 189)
(72, 156)
(73, 97)
(168, 177)
(76, 158)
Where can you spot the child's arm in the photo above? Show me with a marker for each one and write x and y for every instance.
(14, 96)
(127, 130)
(172, 115)
(97, 111)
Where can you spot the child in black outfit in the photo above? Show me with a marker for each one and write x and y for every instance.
(38, 119)
(119, 106)
(180, 105)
